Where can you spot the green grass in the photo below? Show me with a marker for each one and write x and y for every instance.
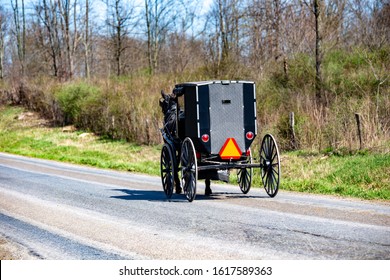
(363, 175)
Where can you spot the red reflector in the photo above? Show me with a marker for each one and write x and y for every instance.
(248, 152)
(205, 138)
(197, 155)
(249, 135)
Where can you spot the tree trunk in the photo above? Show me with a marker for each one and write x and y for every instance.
(276, 51)
(20, 33)
(86, 41)
(149, 32)
(1, 57)
(51, 35)
(2, 38)
(318, 50)
(222, 30)
(118, 44)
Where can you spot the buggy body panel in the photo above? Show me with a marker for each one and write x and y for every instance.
(220, 110)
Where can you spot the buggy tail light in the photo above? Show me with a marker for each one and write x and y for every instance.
(205, 138)
(249, 135)
(248, 153)
(197, 155)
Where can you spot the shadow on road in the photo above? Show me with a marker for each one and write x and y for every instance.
(139, 195)
(151, 195)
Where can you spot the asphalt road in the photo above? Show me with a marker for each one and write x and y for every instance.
(62, 211)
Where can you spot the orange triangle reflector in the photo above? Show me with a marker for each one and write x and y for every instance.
(230, 150)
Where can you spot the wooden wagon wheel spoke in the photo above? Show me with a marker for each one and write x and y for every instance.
(189, 168)
(270, 165)
(167, 170)
(244, 176)
(275, 155)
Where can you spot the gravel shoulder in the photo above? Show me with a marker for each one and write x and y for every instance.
(10, 250)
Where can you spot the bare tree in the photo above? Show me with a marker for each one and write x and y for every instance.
(229, 15)
(318, 50)
(382, 23)
(256, 21)
(276, 28)
(269, 24)
(87, 41)
(223, 25)
(369, 22)
(60, 34)
(120, 20)
(71, 37)
(51, 42)
(20, 32)
(224, 30)
(328, 24)
(317, 9)
(3, 30)
(181, 45)
(160, 17)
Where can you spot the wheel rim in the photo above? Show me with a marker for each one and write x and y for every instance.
(245, 178)
(189, 169)
(167, 171)
(270, 165)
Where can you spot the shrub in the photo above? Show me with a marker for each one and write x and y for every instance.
(80, 103)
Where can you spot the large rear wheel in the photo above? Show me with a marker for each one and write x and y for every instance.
(270, 165)
(167, 170)
(189, 169)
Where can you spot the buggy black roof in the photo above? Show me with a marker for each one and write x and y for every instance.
(202, 83)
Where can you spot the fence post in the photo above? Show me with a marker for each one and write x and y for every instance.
(292, 129)
(359, 130)
(147, 131)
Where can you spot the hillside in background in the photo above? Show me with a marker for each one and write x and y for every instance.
(328, 62)
(127, 107)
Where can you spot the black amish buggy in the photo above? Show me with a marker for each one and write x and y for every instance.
(208, 130)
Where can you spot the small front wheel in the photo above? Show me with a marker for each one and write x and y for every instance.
(244, 177)
(270, 165)
(189, 169)
(167, 170)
